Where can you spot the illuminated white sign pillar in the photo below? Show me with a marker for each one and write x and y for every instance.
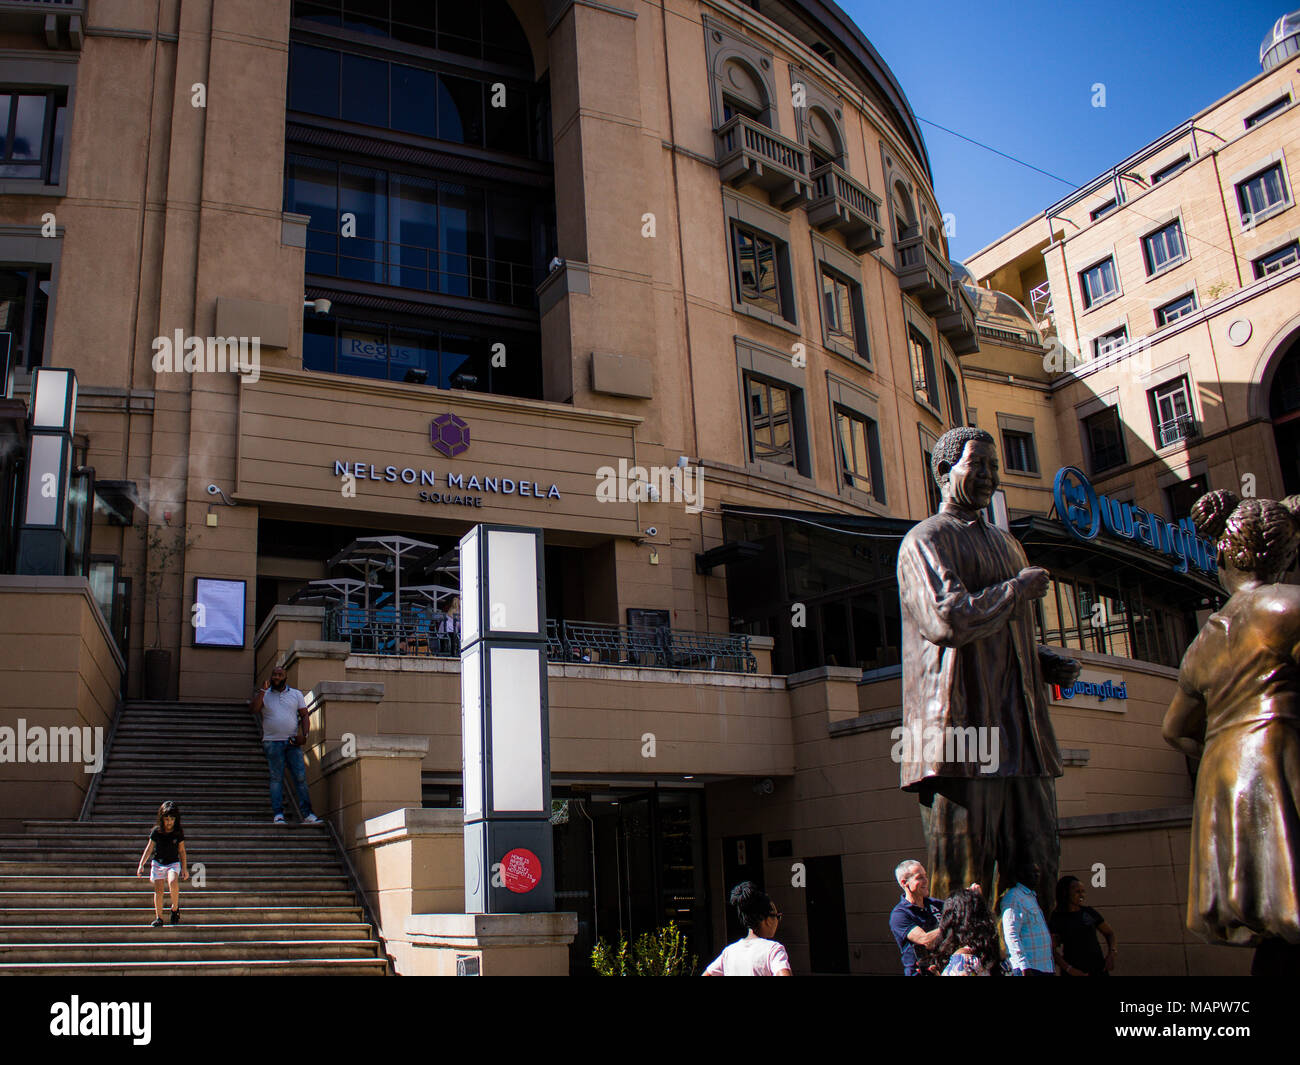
(505, 729)
(42, 537)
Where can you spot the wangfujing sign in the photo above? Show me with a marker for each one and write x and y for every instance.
(1085, 513)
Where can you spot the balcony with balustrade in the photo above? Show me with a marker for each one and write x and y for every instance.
(840, 203)
(956, 321)
(923, 273)
(61, 21)
(748, 153)
(1176, 430)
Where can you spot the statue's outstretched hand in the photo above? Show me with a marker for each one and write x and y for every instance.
(1057, 669)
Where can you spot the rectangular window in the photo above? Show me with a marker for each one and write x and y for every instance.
(1171, 412)
(859, 452)
(1276, 261)
(24, 309)
(1103, 210)
(932, 494)
(1176, 309)
(840, 300)
(1108, 342)
(1018, 452)
(770, 409)
(954, 396)
(1182, 495)
(32, 129)
(1263, 193)
(1164, 247)
(1099, 282)
(1269, 110)
(1166, 172)
(1105, 440)
(923, 373)
(757, 278)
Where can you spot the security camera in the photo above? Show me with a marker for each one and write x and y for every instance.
(319, 306)
(213, 490)
(650, 530)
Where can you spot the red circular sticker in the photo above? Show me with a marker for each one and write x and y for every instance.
(521, 870)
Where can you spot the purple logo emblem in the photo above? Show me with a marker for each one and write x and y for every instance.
(449, 435)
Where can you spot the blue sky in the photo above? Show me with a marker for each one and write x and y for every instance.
(1018, 76)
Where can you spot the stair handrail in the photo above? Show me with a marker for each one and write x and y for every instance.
(89, 799)
(291, 791)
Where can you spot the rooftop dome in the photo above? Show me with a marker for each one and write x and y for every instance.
(1281, 41)
(996, 309)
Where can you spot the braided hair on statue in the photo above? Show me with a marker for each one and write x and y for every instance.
(1256, 536)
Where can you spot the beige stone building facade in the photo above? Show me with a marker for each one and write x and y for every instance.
(484, 262)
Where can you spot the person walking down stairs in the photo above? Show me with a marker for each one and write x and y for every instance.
(283, 713)
(168, 865)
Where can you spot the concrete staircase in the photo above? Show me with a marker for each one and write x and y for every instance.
(275, 900)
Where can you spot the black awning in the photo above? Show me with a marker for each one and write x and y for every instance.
(1049, 545)
(117, 500)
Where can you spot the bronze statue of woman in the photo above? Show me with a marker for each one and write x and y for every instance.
(1238, 710)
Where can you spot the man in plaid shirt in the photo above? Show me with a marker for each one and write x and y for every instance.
(1029, 943)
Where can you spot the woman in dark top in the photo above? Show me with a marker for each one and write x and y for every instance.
(1074, 932)
(168, 865)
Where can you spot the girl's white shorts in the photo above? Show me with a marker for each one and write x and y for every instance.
(159, 872)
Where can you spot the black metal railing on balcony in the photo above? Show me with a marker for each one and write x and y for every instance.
(417, 633)
(750, 153)
(1176, 429)
(839, 202)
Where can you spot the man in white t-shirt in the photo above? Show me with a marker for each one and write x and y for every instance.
(283, 712)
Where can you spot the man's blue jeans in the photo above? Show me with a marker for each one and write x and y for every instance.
(278, 752)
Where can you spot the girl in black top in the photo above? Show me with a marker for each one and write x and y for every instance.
(1074, 932)
(169, 865)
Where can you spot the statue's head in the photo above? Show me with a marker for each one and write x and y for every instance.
(964, 464)
(1255, 537)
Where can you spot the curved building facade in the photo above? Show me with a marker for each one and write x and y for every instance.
(669, 281)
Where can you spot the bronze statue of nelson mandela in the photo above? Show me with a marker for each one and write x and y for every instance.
(971, 660)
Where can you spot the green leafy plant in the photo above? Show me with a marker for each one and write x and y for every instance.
(659, 953)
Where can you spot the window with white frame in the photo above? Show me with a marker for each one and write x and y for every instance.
(1261, 194)
(1275, 261)
(1099, 282)
(1175, 309)
(1166, 172)
(1164, 247)
(1269, 110)
(1171, 412)
(1108, 342)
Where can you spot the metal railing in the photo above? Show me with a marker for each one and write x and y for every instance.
(379, 631)
(388, 262)
(1176, 429)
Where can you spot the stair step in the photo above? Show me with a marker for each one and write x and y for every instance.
(94, 914)
(286, 967)
(173, 947)
(213, 867)
(205, 932)
(89, 858)
(128, 882)
(195, 899)
(129, 828)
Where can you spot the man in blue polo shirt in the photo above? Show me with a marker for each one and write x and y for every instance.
(915, 920)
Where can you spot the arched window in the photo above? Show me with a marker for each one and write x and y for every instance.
(743, 93)
(824, 139)
(904, 212)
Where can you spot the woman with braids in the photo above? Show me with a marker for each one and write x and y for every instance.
(758, 954)
(968, 938)
(1238, 710)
